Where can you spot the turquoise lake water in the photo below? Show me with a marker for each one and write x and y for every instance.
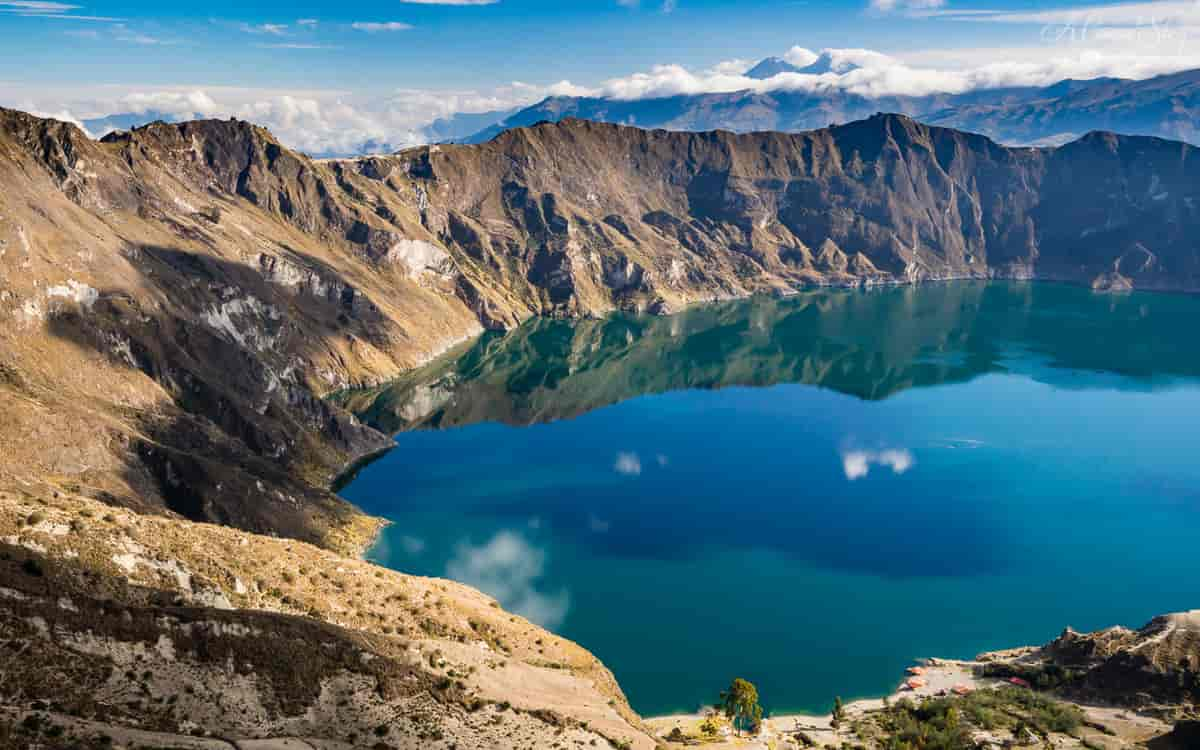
(808, 492)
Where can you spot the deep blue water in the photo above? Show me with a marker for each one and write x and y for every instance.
(811, 492)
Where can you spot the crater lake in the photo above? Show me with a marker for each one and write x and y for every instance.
(808, 492)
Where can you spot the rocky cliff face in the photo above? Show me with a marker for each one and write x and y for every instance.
(1155, 668)
(179, 297)
(1159, 662)
(885, 200)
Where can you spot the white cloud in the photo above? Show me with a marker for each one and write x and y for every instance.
(63, 116)
(857, 464)
(123, 33)
(628, 464)
(732, 67)
(665, 6)
(181, 104)
(800, 57)
(871, 73)
(1183, 12)
(307, 22)
(46, 9)
(316, 121)
(35, 6)
(509, 568)
(887, 6)
(377, 26)
(273, 29)
(295, 45)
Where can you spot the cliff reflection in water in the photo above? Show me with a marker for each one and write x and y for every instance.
(870, 344)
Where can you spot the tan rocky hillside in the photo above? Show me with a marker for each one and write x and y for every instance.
(1159, 662)
(155, 632)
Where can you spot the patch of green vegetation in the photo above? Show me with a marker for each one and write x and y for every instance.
(1041, 676)
(948, 723)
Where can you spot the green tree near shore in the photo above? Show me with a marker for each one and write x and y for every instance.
(740, 705)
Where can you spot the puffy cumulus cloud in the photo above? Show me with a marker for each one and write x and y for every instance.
(322, 122)
(181, 104)
(510, 568)
(732, 67)
(857, 464)
(874, 74)
(63, 116)
(800, 57)
(316, 126)
(854, 70)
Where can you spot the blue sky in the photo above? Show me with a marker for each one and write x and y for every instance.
(386, 67)
(450, 45)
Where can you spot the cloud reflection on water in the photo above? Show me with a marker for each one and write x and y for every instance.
(857, 464)
(509, 568)
(628, 464)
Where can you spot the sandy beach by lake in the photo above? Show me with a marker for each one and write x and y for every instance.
(940, 677)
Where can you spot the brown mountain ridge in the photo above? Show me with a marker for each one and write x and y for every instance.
(180, 297)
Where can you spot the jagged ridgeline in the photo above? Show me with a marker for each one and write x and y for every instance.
(181, 296)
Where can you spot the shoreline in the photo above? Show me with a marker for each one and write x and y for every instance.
(940, 675)
(362, 542)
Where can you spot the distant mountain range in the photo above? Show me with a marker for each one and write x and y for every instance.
(1167, 106)
(99, 127)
